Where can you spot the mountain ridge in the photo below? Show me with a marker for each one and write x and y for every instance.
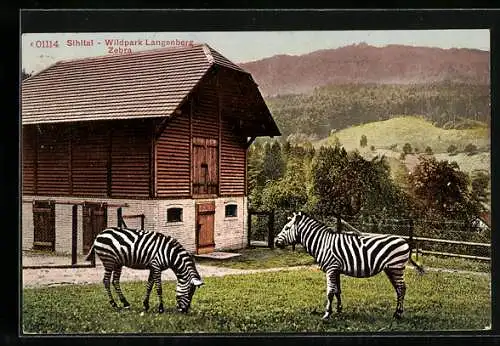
(365, 64)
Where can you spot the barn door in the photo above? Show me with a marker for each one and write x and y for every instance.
(205, 163)
(95, 219)
(205, 227)
(44, 221)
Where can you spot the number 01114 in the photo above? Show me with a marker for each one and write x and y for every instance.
(45, 44)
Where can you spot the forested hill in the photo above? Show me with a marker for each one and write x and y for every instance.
(362, 63)
(447, 105)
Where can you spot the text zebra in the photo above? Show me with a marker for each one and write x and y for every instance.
(361, 256)
(139, 249)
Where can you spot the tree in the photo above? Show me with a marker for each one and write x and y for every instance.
(273, 164)
(443, 189)
(338, 182)
(452, 149)
(407, 148)
(470, 149)
(479, 185)
(363, 142)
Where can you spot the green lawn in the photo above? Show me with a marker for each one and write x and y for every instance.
(268, 302)
(260, 258)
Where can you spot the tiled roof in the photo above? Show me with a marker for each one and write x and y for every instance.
(143, 84)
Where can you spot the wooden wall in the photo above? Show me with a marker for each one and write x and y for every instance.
(29, 159)
(173, 158)
(90, 147)
(130, 159)
(83, 160)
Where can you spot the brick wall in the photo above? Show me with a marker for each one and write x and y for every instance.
(230, 232)
(27, 222)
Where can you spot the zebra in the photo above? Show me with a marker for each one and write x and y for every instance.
(356, 255)
(141, 249)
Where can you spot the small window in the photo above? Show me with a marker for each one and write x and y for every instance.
(174, 215)
(231, 210)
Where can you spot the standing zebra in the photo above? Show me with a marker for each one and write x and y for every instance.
(139, 249)
(350, 254)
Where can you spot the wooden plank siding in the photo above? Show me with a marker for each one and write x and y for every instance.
(232, 170)
(83, 160)
(89, 156)
(233, 103)
(130, 155)
(173, 159)
(29, 160)
(53, 161)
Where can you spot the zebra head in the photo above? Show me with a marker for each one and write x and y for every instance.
(185, 291)
(289, 233)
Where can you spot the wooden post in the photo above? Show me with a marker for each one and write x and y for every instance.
(270, 234)
(249, 228)
(74, 235)
(119, 217)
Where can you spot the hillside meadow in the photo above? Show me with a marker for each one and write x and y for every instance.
(417, 131)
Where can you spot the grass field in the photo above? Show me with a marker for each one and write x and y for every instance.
(417, 131)
(261, 258)
(290, 301)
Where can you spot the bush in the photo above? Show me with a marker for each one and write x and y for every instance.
(407, 148)
(363, 142)
(372, 148)
(428, 150)
(452, 149)
(393, 147)
(470, 149)
(402, 156)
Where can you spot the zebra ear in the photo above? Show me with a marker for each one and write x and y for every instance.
(196, 282)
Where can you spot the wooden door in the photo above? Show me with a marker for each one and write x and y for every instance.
(205, 217)
(44, 221)
(95, 219)
(205, 166)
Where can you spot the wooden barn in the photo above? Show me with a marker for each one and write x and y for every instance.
(162, 133)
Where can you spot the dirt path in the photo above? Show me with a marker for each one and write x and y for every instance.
(55, 277)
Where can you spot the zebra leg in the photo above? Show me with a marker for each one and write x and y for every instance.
(149, 287)
(397, 280)
(116, 284)
(157, 279)
(332, 289)
(107, 285)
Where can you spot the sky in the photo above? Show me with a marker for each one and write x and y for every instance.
(40, 50)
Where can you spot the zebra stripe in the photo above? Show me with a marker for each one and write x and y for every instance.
(140, 249)
(357, 255)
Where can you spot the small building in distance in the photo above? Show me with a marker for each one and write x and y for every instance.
(162, 132)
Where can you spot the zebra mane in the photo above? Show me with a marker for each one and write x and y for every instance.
(323, 226)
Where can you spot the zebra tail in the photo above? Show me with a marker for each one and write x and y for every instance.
(90, 254)
(420, 269)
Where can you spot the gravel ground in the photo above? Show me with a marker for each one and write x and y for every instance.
(41, 277)
(65, 276)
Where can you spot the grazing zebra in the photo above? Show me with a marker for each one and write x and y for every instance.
(139, 249)
(351, 254)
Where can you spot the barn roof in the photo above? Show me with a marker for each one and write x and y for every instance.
(144, 84)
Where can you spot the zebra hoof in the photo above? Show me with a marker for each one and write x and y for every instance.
(146, 306)
(398, 315)
(160, 309)
(326, 316)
